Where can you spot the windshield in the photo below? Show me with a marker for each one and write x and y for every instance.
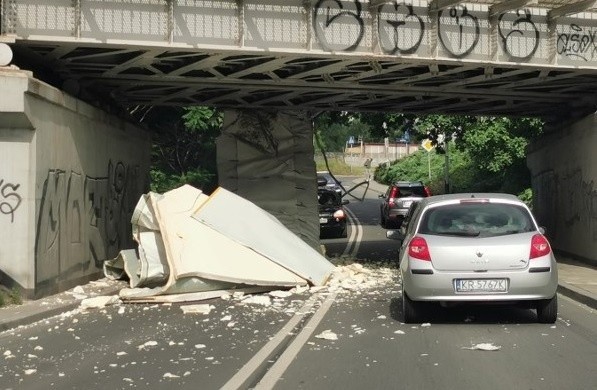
(476, 219)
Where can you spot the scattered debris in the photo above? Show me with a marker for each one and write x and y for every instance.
(258, 300)
(484, 347)
(327, 335)
(148, 344)
(99, 302)
(197, 309)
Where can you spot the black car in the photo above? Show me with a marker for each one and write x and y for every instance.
(332, 217)
(397, 200)
(326, 180)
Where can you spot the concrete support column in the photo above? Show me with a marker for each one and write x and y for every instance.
(267, 158)
(563, 168)
(70, 177)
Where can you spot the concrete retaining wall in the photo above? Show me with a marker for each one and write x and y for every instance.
(564, 177)
(70, 176)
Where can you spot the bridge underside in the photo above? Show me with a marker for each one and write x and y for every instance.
(476, 57)
(145, 76)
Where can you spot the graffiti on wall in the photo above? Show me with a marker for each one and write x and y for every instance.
(10, 199)
(566, 203)
(339, 21)
(84, 220)
(459, 31)
(340, 25)
(578, 43)
(401, 30)
(520, 39)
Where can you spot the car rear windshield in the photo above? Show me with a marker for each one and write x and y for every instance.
(411, 191)
(476, 219)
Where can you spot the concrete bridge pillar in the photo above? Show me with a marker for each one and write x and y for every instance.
(70, 176)
(267, 158)
(563, 167)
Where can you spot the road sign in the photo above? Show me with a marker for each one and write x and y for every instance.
(427, 145)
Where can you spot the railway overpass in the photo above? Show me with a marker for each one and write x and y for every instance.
(73, 165)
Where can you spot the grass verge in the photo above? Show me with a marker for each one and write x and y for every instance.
(9, 297)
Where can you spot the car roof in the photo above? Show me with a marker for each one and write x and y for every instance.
(453, 198)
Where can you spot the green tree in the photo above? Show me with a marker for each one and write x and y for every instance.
(184, 149)
(486, 153)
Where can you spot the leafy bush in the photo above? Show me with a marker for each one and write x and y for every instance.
(465, 174)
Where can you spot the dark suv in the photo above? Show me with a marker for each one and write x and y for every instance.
(332, 217)
(397, 199)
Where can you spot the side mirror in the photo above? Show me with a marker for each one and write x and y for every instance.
(394, 235)
(381, 195)
(345, 201)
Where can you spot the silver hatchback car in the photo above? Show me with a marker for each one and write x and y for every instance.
(465, 248)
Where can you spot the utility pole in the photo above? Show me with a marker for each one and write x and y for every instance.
(447, 167)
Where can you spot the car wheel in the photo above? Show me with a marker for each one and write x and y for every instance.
(547, 310)
(411, 310)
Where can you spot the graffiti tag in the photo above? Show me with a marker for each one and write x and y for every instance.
(85, 219)
(522, 40)
(460, 34)
(398, 23)
(581, 43)
(10, 200)
(333, 23)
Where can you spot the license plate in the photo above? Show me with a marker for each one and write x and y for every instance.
(407, 203)
(323, 220)
(481, 285)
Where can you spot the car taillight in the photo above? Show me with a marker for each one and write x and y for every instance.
(339, 214)
(539, 246)
(427, 191)
(418, 249)
(391, 202)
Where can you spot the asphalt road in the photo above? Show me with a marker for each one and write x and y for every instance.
(285, 345)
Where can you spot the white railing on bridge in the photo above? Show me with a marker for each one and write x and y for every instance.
(537, 34)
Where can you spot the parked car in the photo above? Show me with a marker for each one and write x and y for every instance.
(325, 180)
(332, 216)
(397, 199)
(473, 248)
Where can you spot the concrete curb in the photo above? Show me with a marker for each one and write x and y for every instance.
(577, 294)
(38, 310)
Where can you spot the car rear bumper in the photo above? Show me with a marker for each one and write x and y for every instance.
(397, 213)
(440, 286)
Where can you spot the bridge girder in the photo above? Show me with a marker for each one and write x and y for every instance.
(509, 57)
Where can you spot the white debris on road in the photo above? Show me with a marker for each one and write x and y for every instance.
(356, 277)
(197, 309)
(147, 344)
(258, 300)
(484, 347)
(99, 302)
(327, 335)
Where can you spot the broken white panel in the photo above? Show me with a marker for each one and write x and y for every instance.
(195, 250)
(253, 227)
(151, 268)
(114, 268)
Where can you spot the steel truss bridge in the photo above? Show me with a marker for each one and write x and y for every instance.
(489, 57)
